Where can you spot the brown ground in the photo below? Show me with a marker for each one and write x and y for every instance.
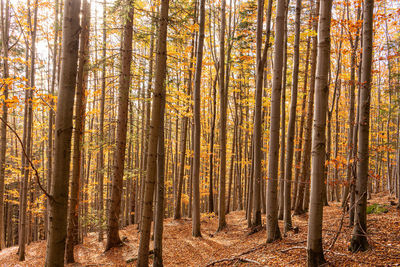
(181, 249)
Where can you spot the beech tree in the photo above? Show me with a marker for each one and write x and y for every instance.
(113, 238)
(62, 143)
(315, 256)
(359, 241)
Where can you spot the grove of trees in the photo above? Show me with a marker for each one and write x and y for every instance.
(126, 112)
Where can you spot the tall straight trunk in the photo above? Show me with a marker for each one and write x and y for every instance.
(62, 152)
(156, 120)
(283, 121)
(159, 217)
(292, 122)
(359, 240)
(50, 144)
(28, 135)
(305, 165)
(5, 24)
(273, 232)
(185, 121)
(197, 126)
(211, 174)
(315, 254)
(101, 130)
(113, 238)
(301, 128)
(257, 133)
(222, 135)
(350, 146)
(80, 113)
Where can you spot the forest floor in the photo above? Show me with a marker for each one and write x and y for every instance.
(234, 246)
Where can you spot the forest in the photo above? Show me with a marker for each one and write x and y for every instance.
(200, 133)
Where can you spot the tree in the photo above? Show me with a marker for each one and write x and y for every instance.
(223, 103)
(80, 110)
(113, 238)
(197, 126)
(315, 255)
(28, 123)
(273, 232)
(62, 147)
(5, 25)
(359, 240)
(292, 121)
(157, 113)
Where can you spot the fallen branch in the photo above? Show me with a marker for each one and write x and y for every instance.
(235, 259)
(288, 249)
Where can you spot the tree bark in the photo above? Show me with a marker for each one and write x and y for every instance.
(62, 152)
(359, 240)
(273, 232)
(80, 113)
(113, 239)
(223, 103)
(197, 127)
(156, 120)
(5, 25)
(315, 255)
(292, 122)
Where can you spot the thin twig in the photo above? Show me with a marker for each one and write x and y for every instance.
(29, 160)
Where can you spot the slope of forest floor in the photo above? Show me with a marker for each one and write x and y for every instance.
(234, 246)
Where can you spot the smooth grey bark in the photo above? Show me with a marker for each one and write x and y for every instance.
(359, 240)
(315, 255)
(273, 232)
(287, 218)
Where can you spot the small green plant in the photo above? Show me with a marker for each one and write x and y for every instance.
(377, 209)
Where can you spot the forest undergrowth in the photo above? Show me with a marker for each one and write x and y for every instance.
(235, 246)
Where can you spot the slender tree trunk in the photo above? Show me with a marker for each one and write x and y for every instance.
(197, 126)
(28, 135)
(283, 122)
(101, 130)
(315, 254)
(223, 103)
(80, 113)
(292, 122)
(5, 24)
(359, 240)
(113, 238)
(62, 152)
(273, 232)
(159, 218)
(156, 120)
(305, 166)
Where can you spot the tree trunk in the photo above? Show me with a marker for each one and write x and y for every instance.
(223, 103)
(156, 120)
(197, 127)
(159, 218)
(5, 24)
(315, 254)
(80, 113)
(273, 232)
(292, 122)
(359, 240)
(62, 152)
(113, 239)
(305, 166)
